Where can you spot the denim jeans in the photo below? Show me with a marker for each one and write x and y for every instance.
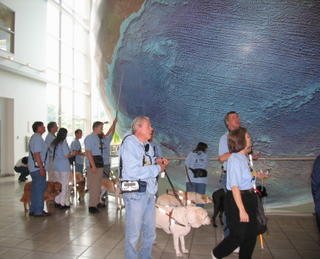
(140, 222)
(38, 188)
(196, 187)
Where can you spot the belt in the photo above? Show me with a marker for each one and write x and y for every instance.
(247, 191)
(244, 191)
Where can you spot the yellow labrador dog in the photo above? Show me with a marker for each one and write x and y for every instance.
(187, 198)
(178, 221)
(80, 184)
(112, 185)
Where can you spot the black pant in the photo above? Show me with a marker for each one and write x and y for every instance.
(318, 220)
(241, 234)
(24, 172)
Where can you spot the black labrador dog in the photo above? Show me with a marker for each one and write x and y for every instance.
(218, 205)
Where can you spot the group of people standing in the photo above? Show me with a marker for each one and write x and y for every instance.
(138, 171)
(237, 179)
(55, 156)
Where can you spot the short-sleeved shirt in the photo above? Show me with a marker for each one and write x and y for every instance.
(238, 172)
(76, 146)
(92, 143)
(60, 161)
(36, 145)
(197, 160)
(138, 164)
(49, 138)
(106, 149)
(223, 147)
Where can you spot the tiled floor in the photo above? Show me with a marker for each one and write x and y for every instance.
(76, 234)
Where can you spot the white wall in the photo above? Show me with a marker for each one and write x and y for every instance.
(30, 30)
(24, 86)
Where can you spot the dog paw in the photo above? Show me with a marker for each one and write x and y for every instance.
(185, 251)
(178, 254)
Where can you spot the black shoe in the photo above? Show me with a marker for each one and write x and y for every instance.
(43, 214)
(93, 210)
(64, 207)
(101, 205)
(57, 205)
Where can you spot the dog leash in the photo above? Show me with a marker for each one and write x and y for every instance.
(185, 196)
(188, 176)
(173, 189)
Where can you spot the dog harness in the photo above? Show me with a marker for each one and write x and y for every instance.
(171, 218)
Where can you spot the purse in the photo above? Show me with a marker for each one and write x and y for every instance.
(199, 172)
(98, 160)
(261, 217)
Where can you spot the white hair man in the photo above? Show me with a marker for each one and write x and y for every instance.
(139, 169)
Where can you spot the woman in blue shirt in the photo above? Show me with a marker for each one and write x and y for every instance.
(196, 167)
(61, 165)
(241, 201)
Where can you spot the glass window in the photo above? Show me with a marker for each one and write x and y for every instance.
(66, 102)
(81, 39)
(52, 102)
(81, 124)
(81, 105)
(52, 75)
(67, 4)
(52, 53)
(6, 28)
(66, 60)
(66, 81)
(82, 69)
(6, 41)
(66, 28)
(53, 19)
(66, 122)
(82, 8)
(69, 71)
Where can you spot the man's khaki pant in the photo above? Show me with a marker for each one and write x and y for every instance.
(94, 186)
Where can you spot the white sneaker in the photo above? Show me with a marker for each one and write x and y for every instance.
(212, 256)
(237, 250)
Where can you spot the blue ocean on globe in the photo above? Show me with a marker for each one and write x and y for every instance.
(185, 64)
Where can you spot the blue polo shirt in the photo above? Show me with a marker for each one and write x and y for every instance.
(238, 172)
(223, 147)
(137, 164)
(92, 143)
(49, 138)
(197, 160)
(76, 146)
(36, 145)
(60, 161)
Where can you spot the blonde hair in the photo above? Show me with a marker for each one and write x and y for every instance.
(137, 122)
